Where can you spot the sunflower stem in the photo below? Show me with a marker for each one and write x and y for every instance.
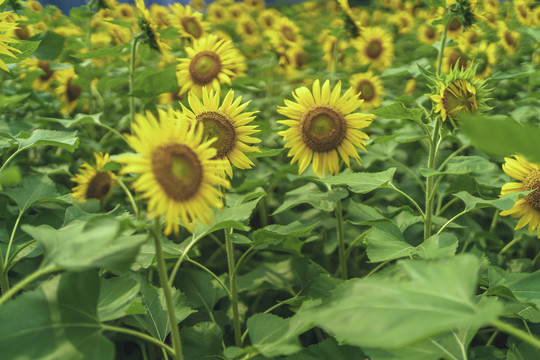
(132, 78)
(11, 238)
(520, 334)
(167, 292)
(443, 44)
(430, 180)
(8, 293)
(341, 241)
(130, 197)
(234, 290)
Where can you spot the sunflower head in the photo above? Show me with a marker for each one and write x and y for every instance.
(93, 182)
(458, 93)
(368, 87)
(375, 47)
(189, 23)
(178, 173)
(322, 124)
(69, 91)
(150, 29)
(528, 207)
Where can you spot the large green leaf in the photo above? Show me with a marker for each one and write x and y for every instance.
(56, 321)
(153, 83)
(310, 194)
(201, 289)
(26, 48)
(472, 202)
(398, 111)
(202, 341)
(377, 312)
(84, 245)
(460, 165)
(34, 189)
(328, 349)
(284, 237)
(40, 137)
(362, 182)
(272, 335)
(51, 45)
(524, 287)
(118, 298)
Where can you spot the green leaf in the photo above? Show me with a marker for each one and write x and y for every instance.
(522, 351)
(385, 242)
(85, 245)
(40, 137)
(80, 14)
(328, 349)
(51, 45)
(10, 176)
(435, 296)
(26, 47)
(56, 321)
(502, 137)
(438, 246)
(472, 202)
(310, 194)
(115, 51)
(117, 298)
(13, 100)
(398, 111)
(34, 189)
(202, 341)
(264, 152)
(460, 165)
(156, 320)
(79, 119)
(201, 289)
(363, 182)
(276, 235)
(276, 274)
(154, 83)
(524, 287)
(272, 335)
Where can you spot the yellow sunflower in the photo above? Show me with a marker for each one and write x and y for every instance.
(535, 17)
(329, 43)
(483, 56)
(368, 87)
(189, 23)
(161, 14)
(256, 5)
(508, 38)
(228, 124)
(267, 18)
(6, 26)
(247, 28)
(236, 10)
(178, 172)
(453, 58)
(198, 5)
(150, 28)
(125, 12)
(375, 46)
(528, 207)
(210, 63)
(288, 30)
(93, 183)
(322, 124)
(47, 75)
(428, 34)
(459, 93)
(68, 90)
(217, 13)
(403, 21)
(454, 28)
(471, 37)
(34, 6)
(522, 10)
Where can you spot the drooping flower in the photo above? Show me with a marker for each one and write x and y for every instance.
(322, 126)
(528, 207)
(178, 173)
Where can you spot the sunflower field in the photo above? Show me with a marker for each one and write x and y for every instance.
(321, 179)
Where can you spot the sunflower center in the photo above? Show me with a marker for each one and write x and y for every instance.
(509, 38)
(73, 91)
(45, 66)
(192, 26)
(532, 182)
(374, 49)
(454, 24)
(204, 67)
(430, 33)
(269, 21)
(248, 28)
(455, 59)
(300, 59)
(218, 126)
(22, 32)
(365, 90)
(177, 170)
(99, 185)
(323, 128)
(458, 98)
(289, 33)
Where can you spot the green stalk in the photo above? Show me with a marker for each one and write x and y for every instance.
(234, 290)
(132, 77)
(130, 197)
(11, 238)
(27, 280)
(430, 180)
(341, 241)
(167, 292)
(520, 334)
(443, 44)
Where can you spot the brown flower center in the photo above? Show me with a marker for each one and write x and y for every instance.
(455, 58)
(322, 128)
(366, 90)
(192, 26)
(73, 91)
(457, 98)
(204, 67)
(374, 49)
(218, 126)
(22, 32)
(431, 33)
(45, 66)
(532, 182)
(99, 185)
(248, 28)
(269, 21)
(177, 170)
(454, 24)
(509, 38)
(289, 33)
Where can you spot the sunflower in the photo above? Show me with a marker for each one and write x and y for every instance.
(459, 93)
(293, 59)
(535, 17)
(369, 88)
(161, 14)
(522, 10)
(453, 58)
(150, 28)
(189, 23)
(428, 34)
(322, 125)
(256, 5)
(93, 183)
(267, 18)
(210, 62)
(403, 21)
(454, 28)
(6, 26)
(47, 75)
(375, 46)
(198, 5)
(125, 12)
(227, 123)
(508, 39)
(178, 171)
(329, 43)
(34, 6)
(217, 13)
(528, 207)
(288, 30)
(247, 28)
(471, 37)
(410, 86)
(68, 90)
(236, 10)
(483, 56)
